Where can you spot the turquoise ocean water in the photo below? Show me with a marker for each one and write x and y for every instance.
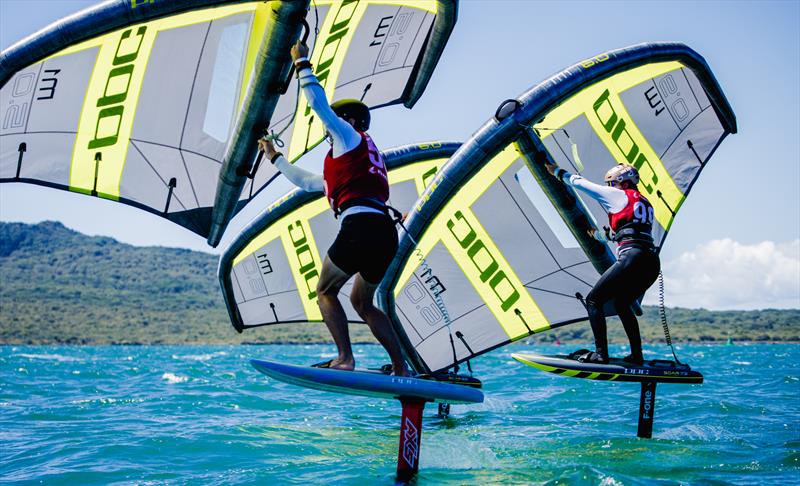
(202, 415)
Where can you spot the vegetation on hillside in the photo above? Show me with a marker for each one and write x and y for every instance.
(59, 286)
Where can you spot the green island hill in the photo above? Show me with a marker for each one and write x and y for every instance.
(58, 286)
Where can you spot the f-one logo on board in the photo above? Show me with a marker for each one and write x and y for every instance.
(118, 82)
(486, 264)
(616, 127)
(305, 258)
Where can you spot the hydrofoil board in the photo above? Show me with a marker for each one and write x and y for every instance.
(368, 383)
(658, 371)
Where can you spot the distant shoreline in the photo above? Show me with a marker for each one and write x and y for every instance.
(96, 291)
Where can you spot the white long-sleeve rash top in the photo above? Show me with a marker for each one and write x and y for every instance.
(612, 200)
(345, 137)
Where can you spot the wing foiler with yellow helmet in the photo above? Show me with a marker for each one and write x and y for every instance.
(158, 105)
(489, 281)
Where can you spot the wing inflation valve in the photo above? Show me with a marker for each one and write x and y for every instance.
(505, 109)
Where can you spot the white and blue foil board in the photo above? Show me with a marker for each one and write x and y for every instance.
(368, 383)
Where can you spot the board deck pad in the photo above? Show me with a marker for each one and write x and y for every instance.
(659, 371)
(368, 383)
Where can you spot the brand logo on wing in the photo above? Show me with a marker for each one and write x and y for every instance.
(626, 144)
(616, 127)
(594, 60)
(118, 83)
(329, 52)
(330, 48)
(484, 262)
(139, 3)
(306, 264)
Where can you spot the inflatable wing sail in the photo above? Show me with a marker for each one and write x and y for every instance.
(505, 250)
(158, 104)
(136, 102)
(367, 50)
(269, 273)
(380, 52)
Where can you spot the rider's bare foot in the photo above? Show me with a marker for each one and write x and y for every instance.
(349, 365)
(400, 371)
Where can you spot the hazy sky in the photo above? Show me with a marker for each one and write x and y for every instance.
(736, 240)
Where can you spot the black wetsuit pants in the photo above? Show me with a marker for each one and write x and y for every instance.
(624, 282)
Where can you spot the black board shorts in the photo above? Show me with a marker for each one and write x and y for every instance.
(366, 244)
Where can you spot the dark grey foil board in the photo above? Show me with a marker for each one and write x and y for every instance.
(659, 371)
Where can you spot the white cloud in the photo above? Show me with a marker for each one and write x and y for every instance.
(724, 274)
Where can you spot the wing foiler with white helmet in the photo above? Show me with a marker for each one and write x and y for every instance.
(621, 173)
(630, 217)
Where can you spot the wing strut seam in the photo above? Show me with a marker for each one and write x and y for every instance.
(560, 269)
(188, 108)
(147, 161)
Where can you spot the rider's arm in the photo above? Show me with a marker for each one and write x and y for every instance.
(345, 137)
(306, 180)
(613, 200)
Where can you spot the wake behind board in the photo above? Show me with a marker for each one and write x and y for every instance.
(368, 383)
(656, 371)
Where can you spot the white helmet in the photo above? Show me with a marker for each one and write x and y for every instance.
(621, 173)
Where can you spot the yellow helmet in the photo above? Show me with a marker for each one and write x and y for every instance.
(621, 173)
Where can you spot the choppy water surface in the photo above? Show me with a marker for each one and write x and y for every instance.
(202, 415)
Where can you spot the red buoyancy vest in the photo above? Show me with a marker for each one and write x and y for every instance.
(636, 215)
(359, 173)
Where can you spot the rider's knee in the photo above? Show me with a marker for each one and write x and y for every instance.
(326, 291)
(361, 305)
(622, 306)
(593, 307)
